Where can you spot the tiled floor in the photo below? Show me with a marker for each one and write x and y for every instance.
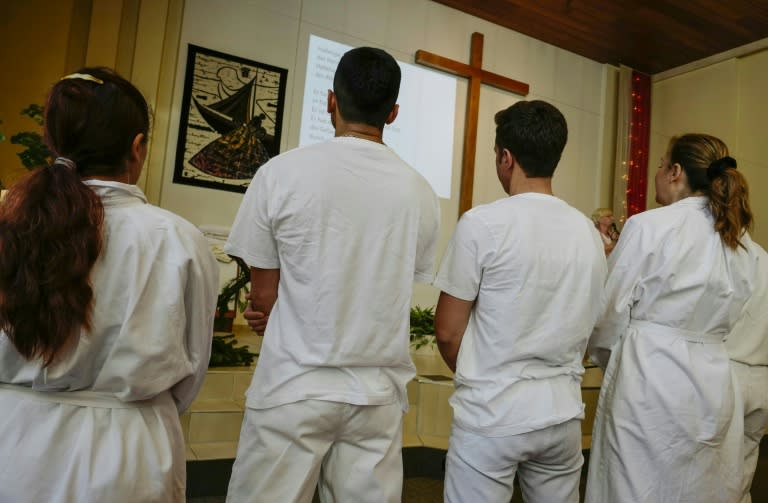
(417, 490)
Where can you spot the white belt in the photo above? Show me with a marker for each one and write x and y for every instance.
(688, 335)
(82, 398)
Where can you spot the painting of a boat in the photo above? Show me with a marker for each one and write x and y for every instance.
(231, 118)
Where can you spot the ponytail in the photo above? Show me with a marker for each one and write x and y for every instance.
(51, 222)
(711, 171)
(729, 201)
(50, 238)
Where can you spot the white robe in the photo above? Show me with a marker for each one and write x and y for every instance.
(668, 425)
(747, 345)
(102, 424)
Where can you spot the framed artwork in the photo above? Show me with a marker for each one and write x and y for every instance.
(231, 119)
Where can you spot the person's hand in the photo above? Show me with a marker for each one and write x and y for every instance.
(257, 320)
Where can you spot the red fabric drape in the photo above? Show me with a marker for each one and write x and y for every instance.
(639, 139)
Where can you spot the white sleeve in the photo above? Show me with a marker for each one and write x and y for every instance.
(163, 339)
(200, 294)
(625, 266)
(429, 231)
(251, 236)
(748, 340)
(462, 266)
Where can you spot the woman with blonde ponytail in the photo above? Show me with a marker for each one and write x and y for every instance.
(106, 311)
(669, 422)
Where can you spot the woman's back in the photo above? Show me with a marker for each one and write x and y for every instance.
(668, 425)
(155, 283)
(118, 392)
(106, 311)
(682, 275)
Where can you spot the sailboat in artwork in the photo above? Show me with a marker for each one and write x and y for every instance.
(244, 143)
(233, 111)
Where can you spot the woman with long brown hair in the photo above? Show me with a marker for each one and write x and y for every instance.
(106, 311)
(668, 426)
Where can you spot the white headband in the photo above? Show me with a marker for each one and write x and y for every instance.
(65, 162)
(82, 76)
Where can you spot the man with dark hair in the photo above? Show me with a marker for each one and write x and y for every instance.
(335, 234)
(520, 291)
(367, 82)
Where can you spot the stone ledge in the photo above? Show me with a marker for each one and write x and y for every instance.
(211, 426)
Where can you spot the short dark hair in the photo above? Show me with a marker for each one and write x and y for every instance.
(366, 85)
(535, 132)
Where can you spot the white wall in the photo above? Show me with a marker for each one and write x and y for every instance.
(724, 99)
(276, 32)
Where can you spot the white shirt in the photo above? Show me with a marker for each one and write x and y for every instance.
(535, 267)
(748, 341)
(155, 286)
(350, 226)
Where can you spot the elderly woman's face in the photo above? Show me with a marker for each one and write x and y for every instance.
(605, 221)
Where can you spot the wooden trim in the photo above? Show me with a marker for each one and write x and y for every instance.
(442, 63)
(504, 83)
(477, 76)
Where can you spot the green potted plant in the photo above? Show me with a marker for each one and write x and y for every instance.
(422, 327)
(233, 297)
(224, 353)
(35, 152)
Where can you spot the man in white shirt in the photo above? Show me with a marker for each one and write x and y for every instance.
(335, 234)
(520, 292)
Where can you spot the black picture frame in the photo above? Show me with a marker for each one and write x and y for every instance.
(231, 119)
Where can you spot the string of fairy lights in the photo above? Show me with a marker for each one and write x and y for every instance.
(636, 174)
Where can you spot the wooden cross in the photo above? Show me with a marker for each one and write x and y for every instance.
(476, 76)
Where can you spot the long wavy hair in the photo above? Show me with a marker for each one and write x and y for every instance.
(51, 223)
(712, 171)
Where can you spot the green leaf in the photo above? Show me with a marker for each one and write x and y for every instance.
(422, 326)
(234, 294)
(34, 112)
(36, 154)
(224, 353)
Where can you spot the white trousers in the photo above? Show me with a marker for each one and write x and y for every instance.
(752, 383)
(482, 469)
(349, 452)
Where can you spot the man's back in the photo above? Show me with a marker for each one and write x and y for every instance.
(335, 234)
(540, 268)
(350, 226)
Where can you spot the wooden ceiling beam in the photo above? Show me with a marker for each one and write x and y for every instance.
(649, 35)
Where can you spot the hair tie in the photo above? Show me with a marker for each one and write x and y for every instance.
(63, 161)
(82, 76)
(718, 167)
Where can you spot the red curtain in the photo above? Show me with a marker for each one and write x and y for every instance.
(639, 139)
